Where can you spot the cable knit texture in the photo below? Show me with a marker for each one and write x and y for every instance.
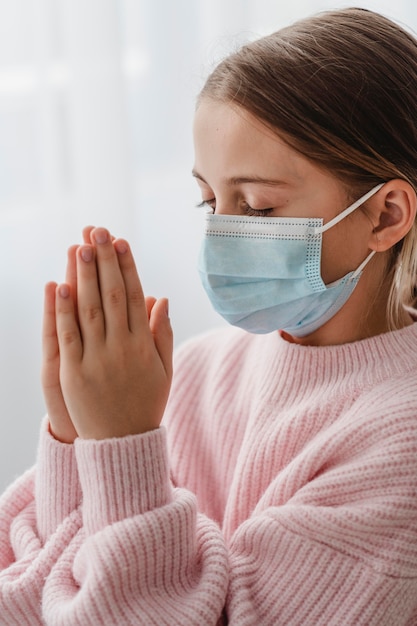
(281, 489)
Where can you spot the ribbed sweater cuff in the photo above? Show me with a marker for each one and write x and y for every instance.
(58, 489)
(122, 477)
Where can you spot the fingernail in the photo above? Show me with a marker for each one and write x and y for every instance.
(63, 291)
(87, 253)
(101, 235)
(167, 308)
(121, 246)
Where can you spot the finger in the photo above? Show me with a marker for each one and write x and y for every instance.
(138, 308)
(89, 301)
(161, 330)
(112, 285)
(59, 421)
(86, 232)
(50, 349)
(71, 272)
(68, 332)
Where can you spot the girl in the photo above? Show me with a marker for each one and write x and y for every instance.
(281, 487)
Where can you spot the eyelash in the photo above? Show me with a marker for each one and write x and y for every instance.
(247, 208)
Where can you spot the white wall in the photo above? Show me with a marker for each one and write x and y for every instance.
(96, 105)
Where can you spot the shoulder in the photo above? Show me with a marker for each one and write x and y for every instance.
(379, 428)
(395, 396)
(381, 376)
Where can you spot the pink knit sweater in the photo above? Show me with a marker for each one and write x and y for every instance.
(292, 498)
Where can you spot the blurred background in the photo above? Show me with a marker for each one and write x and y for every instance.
(96, 108)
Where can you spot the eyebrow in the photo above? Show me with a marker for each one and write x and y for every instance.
(239, 180)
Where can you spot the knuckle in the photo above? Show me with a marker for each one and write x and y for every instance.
(68, 337)
(116, 296)
(50, 356)
(92, 313)
(136, 297)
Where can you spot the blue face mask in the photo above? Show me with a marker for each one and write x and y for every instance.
(263, 273)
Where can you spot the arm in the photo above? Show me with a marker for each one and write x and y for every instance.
(131, 550)
(145, 556)
(144, 552)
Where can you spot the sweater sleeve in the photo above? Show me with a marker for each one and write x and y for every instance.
(135, 550)
(145, 556)
(35, 530)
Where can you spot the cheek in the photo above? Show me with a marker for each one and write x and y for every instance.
(344, 247)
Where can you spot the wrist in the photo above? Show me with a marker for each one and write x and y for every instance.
(63, 434)
(122, 477)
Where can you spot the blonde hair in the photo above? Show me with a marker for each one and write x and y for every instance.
(341, 88)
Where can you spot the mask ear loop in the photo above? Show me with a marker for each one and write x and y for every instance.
(362, 265)
(322, 229)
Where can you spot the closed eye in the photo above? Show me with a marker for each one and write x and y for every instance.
(256, 212)
(247, 209)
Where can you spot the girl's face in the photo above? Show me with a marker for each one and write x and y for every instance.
(243, 168)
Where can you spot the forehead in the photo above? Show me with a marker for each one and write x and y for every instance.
(228, 138)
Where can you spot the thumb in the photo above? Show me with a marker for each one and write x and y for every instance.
(160, 327)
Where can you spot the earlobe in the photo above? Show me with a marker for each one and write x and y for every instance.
(393, 214)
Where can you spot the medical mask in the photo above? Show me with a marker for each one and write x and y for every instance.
(263, 273)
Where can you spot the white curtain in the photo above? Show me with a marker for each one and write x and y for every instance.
(96, 106)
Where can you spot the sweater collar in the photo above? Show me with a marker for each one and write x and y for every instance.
(376, 358)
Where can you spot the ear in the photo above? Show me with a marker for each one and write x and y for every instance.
(392, 211)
